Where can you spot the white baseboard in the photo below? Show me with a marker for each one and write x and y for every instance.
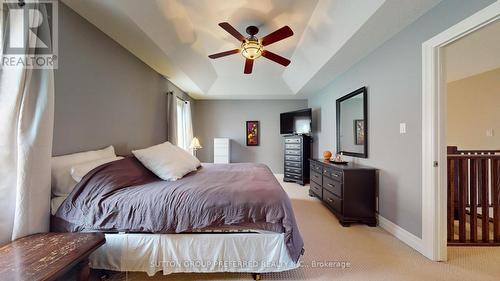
(400, 233)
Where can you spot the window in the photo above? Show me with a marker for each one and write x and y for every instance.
(184, 124)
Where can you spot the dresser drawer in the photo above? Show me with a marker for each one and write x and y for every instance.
(292, 146)
(333, 186)
(293, 176)
(333, 174)
(333, 201)
(316, 167)
(293, 140)
(292, 157)
(293, 170)
(292, 152)
(221, 152)
(293, 164)
(317, 178)
(221, 141)
(316, 189)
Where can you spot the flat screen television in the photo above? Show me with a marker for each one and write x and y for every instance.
(296, 122)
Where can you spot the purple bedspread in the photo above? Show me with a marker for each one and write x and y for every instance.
(125, 196)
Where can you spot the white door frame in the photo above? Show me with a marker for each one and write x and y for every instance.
(434, 200)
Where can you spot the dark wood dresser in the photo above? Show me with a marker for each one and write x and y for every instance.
(297, 154)
(349, 190)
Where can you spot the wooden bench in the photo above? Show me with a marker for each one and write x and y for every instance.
(48, 256)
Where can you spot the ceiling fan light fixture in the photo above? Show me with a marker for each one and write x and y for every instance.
(251, 49)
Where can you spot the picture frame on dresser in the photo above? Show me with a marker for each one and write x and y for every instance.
(359, 132)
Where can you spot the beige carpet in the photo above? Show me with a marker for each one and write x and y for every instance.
(373, 253)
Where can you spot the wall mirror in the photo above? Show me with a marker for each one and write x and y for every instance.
(352, 124)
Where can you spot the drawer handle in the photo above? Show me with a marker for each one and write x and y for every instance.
(330, 200)
(335, 175)
(329, 184)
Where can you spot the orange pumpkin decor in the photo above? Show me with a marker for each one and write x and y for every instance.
(327, 154)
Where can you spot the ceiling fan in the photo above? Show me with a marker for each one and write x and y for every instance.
(252, 47)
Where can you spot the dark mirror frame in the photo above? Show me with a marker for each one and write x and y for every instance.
(359, 91)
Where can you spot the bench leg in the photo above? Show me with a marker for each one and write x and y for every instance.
(83, 270)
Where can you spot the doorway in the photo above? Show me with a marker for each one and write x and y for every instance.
(434, 131)
(472, 75)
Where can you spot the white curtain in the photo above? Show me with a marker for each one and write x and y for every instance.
(184, 124)
(189, 126)
(26, 126)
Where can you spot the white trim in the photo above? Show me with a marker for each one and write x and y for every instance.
(434, 134)
(400, 233)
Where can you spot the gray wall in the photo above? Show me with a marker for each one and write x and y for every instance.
(103, 94)
(226, 118)
(393, 76)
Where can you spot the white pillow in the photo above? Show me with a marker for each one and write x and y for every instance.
(187, 156)
(62, 182)
(78, 171)
(165, 161)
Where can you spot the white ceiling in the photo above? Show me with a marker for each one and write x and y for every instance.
(476, 53)
(175, 37)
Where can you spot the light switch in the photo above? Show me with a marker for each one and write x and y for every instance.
(402, 128)
(489, 132)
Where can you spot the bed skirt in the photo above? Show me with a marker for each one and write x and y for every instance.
(175, 253)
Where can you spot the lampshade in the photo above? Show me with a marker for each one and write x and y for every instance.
(195, 144)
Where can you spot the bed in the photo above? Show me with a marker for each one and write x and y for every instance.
(220, 218)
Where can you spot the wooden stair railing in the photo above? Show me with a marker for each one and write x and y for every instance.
(473, 197)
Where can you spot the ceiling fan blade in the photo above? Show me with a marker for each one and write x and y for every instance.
(248, 66)
(223, 54)
(278, 35)
(231, 30)
(276, 58)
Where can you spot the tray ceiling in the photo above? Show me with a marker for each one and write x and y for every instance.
(175, 37)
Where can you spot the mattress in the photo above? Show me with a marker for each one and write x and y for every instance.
(175, 253)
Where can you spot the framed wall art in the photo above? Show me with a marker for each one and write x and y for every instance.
(252, 133)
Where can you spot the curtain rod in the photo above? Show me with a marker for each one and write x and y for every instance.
(172, 93)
